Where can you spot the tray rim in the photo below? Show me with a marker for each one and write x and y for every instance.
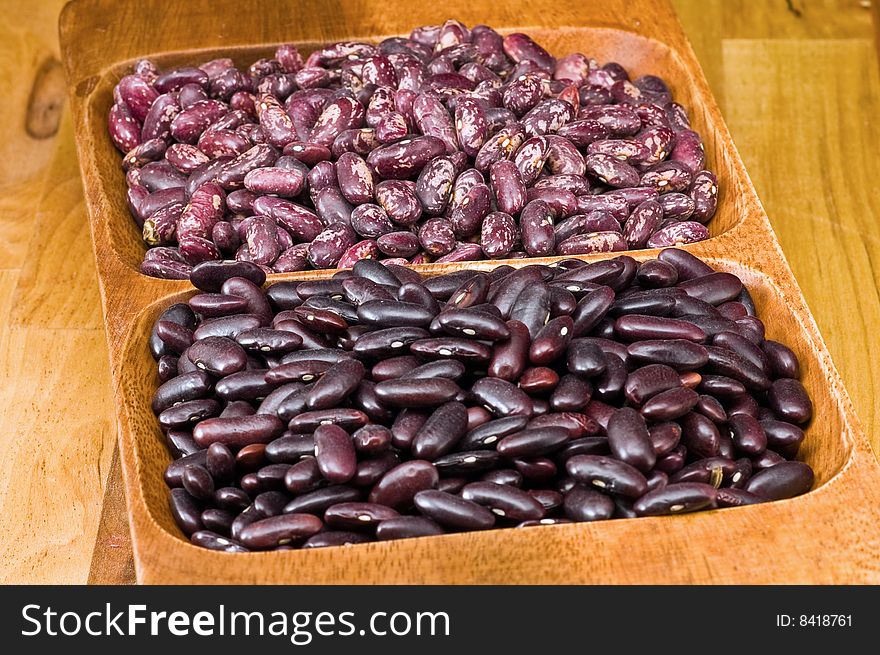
(861, 468)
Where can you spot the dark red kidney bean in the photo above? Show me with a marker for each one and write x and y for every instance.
(699, 435)
(407, 527)
(789, 401)
(670, 404)
(721, 386)
(217, 355)
(637, 327)
(629, 439)
(677, 353)
(536, 470)
(291, 448)
(782, 437)
(650, 303)
(664, 437)
(357, 515)
(227, 326)
(238, 431)
(509, 477)
(218, 521)
(369, 471)
(416, 392)
(244, 385)
(784, 480)
(347, 419)
(167, 367)
(647, 381)
(318, 501)
(465, 463)
(472, 324)
(783, 362)
(748, 434)
(446, 368)
(551, 340)
(210, 276)
(504, 500)
(714, 288)
(399, 485)
(742, 347)
(710, 470)
(271, 503)
(461, 349)
(335, 538)
(502, 398)
(266, 340)
(732, 364)
(711, 408)
(176, 338)
(388, 342)
(672, 461)
(297, 371)
(184, 387)
(217, 304)
(687, 265)
(249, 459)
(280, 530)
(198, 482)
(220, 462)
(441, 432)
(676, 499)
(591, 309)
(364, 398)
(532, 308)
(173, 475)
(610, 383)
(453, 511)
(239, 407)
(766, 460)
(489, 433)
(657, 480)
(509, 357)
(186, 414)
(584, 504)
(337, 383)
(532, 442)
(585, 358)
(394, 367)
(538, 380)
(473, 291)
(727, 497)
(393, 313)
(186, 512)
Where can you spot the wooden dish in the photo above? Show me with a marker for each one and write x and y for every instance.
(830, 535)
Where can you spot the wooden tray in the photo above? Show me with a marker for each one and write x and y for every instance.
(830, 535)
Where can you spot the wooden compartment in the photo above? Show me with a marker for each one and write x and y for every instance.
(828, 535)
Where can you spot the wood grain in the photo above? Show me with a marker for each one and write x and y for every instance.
(701, 548)
(732, 39)
(827, 216)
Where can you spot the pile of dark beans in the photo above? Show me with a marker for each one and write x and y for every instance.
(454, 144)
(378, 404)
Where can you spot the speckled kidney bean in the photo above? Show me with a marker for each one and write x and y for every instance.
(398, 109)
(498, 234)
(704, 193)
(677, 234)
(536, 225)
(508, 187)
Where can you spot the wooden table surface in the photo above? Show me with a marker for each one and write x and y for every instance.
(798, 84)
